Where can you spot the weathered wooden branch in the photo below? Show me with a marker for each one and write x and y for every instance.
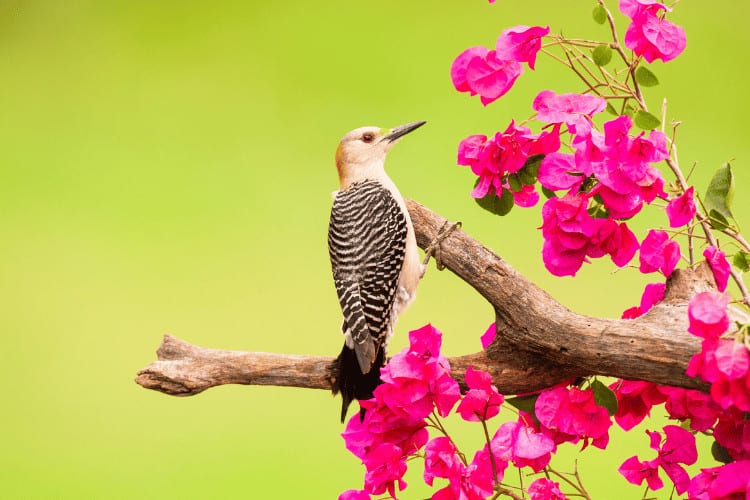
(539, 341)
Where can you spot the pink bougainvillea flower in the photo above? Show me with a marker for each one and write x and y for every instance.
(733, 433)
(571, 235)
(719, 266)
(681, 210)
(726, 364)
(354, 495)
(493, 159)
(690, 405)
(470, 149)
(385, 468)
(522, 444)
(653, 37)
(478, 70)
(732, 359)
(730, 481)
(631, 7)
(488, 336)
(481, 401)
(635, 472)
(575, 110)
(545, 489)
(491, 77)
(571, 414)
(521, 43)
(460, 65)
(480, 474)
(635, 398)
(677, 448)
(558, 171)
(707, 315)
(653, 293)
(623, 166)
(527, 197)
(441, 459)
(613, 239)
(567, 229)
(659, 253)
(416, 382)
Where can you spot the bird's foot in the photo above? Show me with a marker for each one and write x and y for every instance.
(434, 249)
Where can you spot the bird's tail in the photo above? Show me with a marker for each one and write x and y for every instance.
(351, 382)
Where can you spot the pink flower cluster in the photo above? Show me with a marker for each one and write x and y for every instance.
(481, 401)
(650, 35)
(678, 448)
(494, 159)
(514, 442)
(491, 73)
(623, 165)
(545, 489)
(725, 363)
(416, 381)
(571, 235)
(612, 170)
(728, 481)
(569, 415)
(417, 388)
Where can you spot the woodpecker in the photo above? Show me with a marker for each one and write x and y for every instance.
(374, 258)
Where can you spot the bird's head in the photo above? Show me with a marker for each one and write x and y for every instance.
(361, 153)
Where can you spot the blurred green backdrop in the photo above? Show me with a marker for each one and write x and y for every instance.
(167, 167)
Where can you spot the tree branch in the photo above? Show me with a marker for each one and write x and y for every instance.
(539, 341)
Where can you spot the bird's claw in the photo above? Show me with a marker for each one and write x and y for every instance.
(434, 249)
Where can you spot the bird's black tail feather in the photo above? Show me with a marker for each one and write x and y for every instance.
(351, 382)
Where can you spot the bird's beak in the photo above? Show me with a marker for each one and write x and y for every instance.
(400, 131)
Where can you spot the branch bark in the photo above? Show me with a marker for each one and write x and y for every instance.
(539, 341)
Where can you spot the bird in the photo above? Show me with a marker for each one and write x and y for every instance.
(374, 258)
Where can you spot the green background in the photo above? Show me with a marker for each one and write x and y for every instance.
(168, 167)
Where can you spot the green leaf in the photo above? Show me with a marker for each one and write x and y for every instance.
(719, 195)
(741, 261)
(548, 193)
(602, 54)
(498, 206)
(599, 14)
(718, 221)
(514, 181)
(645, 77)
(720, 453)
(611, 109)
(533, 162)
(629, 110)
(530, 169)
(604, 396)
(523, 403)
(646, 120)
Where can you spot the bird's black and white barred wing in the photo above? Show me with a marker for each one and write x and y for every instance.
(366, 242)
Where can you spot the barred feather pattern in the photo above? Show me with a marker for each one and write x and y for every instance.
(367, 244)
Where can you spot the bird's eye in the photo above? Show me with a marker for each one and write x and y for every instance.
(367, 137)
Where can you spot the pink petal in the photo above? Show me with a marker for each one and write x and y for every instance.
(461, 63)
(681, 210)
(707, 315)
(491, 77)
(732, 359)
(488, 336)
(717, 260)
